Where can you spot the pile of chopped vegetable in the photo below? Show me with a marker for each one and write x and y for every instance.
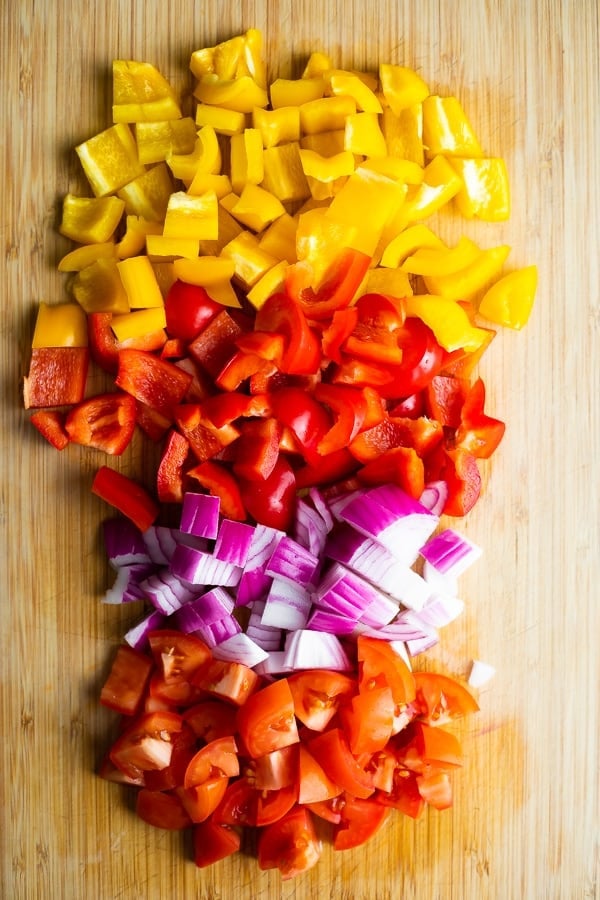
(258, 283)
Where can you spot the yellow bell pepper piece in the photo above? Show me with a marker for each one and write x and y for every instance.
(140, 282)
(134, 239)
(192, 217)
(442, 260)
(325, 143)
(510, 300)
(277, 126)
(61, 325)
(251, 262)
(232, 58)
(367, 201)
(246, 159)
(139, 323)
(224, 121)
(164, 275)
(271, 283)
(319, 239)
(283, 174)
(205, 157)
(448, 321)
(362, 135)
(205, 181)
(157, 245)
(296, 91)
(158, 140)
(98, 288)
(256, 208)
(407, 242)
(401, 87)
(327, 168)
(279, 239)
(440, 184)
(326, 114)
(110, 159)
(317, 64)
(141, 93)
(148, 194)
(90, 220)
(228, 229)
(485, 193)
(392, 282)
(84, 256)
(404, 133)
(240, 94)
(205, 271)
(446, 128)
(403, 170)
(350, 85)
(468, 282)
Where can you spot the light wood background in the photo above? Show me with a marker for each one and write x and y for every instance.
(525, 822)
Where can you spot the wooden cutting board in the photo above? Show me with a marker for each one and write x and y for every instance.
(525, 819)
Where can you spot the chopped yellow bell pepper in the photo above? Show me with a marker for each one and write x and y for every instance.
(446, 128)
(256, 208)
(205, 157)
(164, 275)
(404, 133)
(110, 159)
(192, 217)
(232, 58)
(449, 322)
(148, 194)
(206, 181)
(362, 135)
(279, 239)
(317, 64)
(296, 91)
(408, 241)
(139, 323)
(270, 283)
(283, 174)
(367, 201)
(440, 184)
(239, 94)
(158, 140)
(205, 271)
(98, 288)
(157, 245)
(325, 143)
(224, 121)
(350, 85)
(392, 282)
(134, 239)
(90, 220)
(277, 125)
(229, 228)
(485, 193)
(327, 168)
(403, 170)
(401, 87)
(319, 238)
(140, 282)
(61, 325)
(141, 93)
(509, 300)
(468, 282)
(326, 114)
(442, 260)
(246, 159)
(250, 261)
(87, 254)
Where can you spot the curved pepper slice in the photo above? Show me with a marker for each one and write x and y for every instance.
(510, 300)
(126, 495)
(341, 283)
(349, 407)
(105, 421)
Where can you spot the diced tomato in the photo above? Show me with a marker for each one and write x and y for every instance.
(146, 744)
(266, 721)
(435, 789)
(201, 800)
(211, 719)
(290, 844)
(314, 785)
(127, 681)
(178, 655)
(162, 809)
(277, 769)
(273, 805)
(332, 752)
(404, 795)
(360, 821)
(218, 757)
(317, 694)
(441, 699)
(230, 681)
(369, 720)
(379, 664)
(184, 747)
(213, 842)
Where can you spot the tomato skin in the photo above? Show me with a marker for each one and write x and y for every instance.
(229, 681)
(314, 785)
(266, 721)
(178, 655)
(210, 719)
(126, 684)
(290, 844)
(219, 757)
(214, 842)
(360, 821)
(441, 699)
(404, 795)
(162, 809)
(146, 743)
(332, 752)
(317, 695)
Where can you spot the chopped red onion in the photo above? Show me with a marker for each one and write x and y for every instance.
(434, 496)
(309, 528)
(339, 501)
(441, 610)
(380, 612)
(126, 587)
(254, 583)
(419, 645)
(480, 674)
(405, 627)
(216, 632)
(165, 591)
(275, 664)
(240, 648)
(445, 585)
(322, 507)
(287, 605)
(209, 607)
(306, 649)
(197, 567)
(334, 623)
(200, 515)
(292, 562)
(344, 592)
(161, 543)
(137, 637)
(124, 542)
(233, 542)
(450, 553)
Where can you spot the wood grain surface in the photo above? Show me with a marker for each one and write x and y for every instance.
(525, 821)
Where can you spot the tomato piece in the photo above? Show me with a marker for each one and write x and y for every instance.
(317, 695)
(435, 789)
(273, 805)
(177, 655)
(332, 752)
(127, 681)
(314, 785)
(272, 501)
(404, 795)
(201, 800)
(431, 748)
(146, 744)
(217, 758)
(214, 842)
(380, 665)
(369, 720)
(277, 769)
(283, 315)
(162, 809)
(441, 699)
(360, 821)
(266, 721)
(290, 844)
(239, 805)
(163, 694)
(184, 747)
(230, 681)
(211, 719)
(188, 309)
(328, 810)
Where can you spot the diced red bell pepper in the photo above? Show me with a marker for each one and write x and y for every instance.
(105, 421)
(459, 469)
(57, 377)
(204, 438)
(222, 409)
(201, 386)
(152, 423)
(339, 287)
(422, 434)
(349, 407)
(51, 424)
(127, 496)
(173, 348)
(188, 309)
(272, 501)
(257, 449)
(399, 465)
(104, 347)
(214, 346)
(444, 399)
(477, 432)
(283, 315)
(154, 381)
(219, 481)
(171, 469)
(342, 324)
(305, 416)
(378, 327)
(327, 470)
(269, 345)
(239, 368)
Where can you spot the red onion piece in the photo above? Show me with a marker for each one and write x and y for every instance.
(450, 553)
(126, 587)
(310, 529)
(419, 645)
(137, 637)
(306, 649)
(124, 542)
(166, 592)
(344, 592)
(440, 610)
(197, 567)
(287, 605)
(209, 607)
(233, 542)
(200, 515)
(240, 648)
(254, 583)
(321, 507)
(161, 543)
(334, 623)
(292, 562)
(434, 497)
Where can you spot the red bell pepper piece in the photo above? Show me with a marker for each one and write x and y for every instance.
(222, 409)
(105, 421)
(257, 449)
(421, 434)
(219, 481)
(214, 346)
(51, 424)
(375, 336)
(188, 309)
(267, 344)
(154, 381)
(173, 348)
(57, 377)
(283, 315)
(399, 465)
(239, 368)
(104, 347)
(171, 469)
(305, 416)
(444, 399)
(151, 422)
(204, 438)
(201, 385)
(459, 469)
(273, 500)
(349, 407)
(339, 287)
(477, 432)
(328, 469)
(343, 322)
(127, 496)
